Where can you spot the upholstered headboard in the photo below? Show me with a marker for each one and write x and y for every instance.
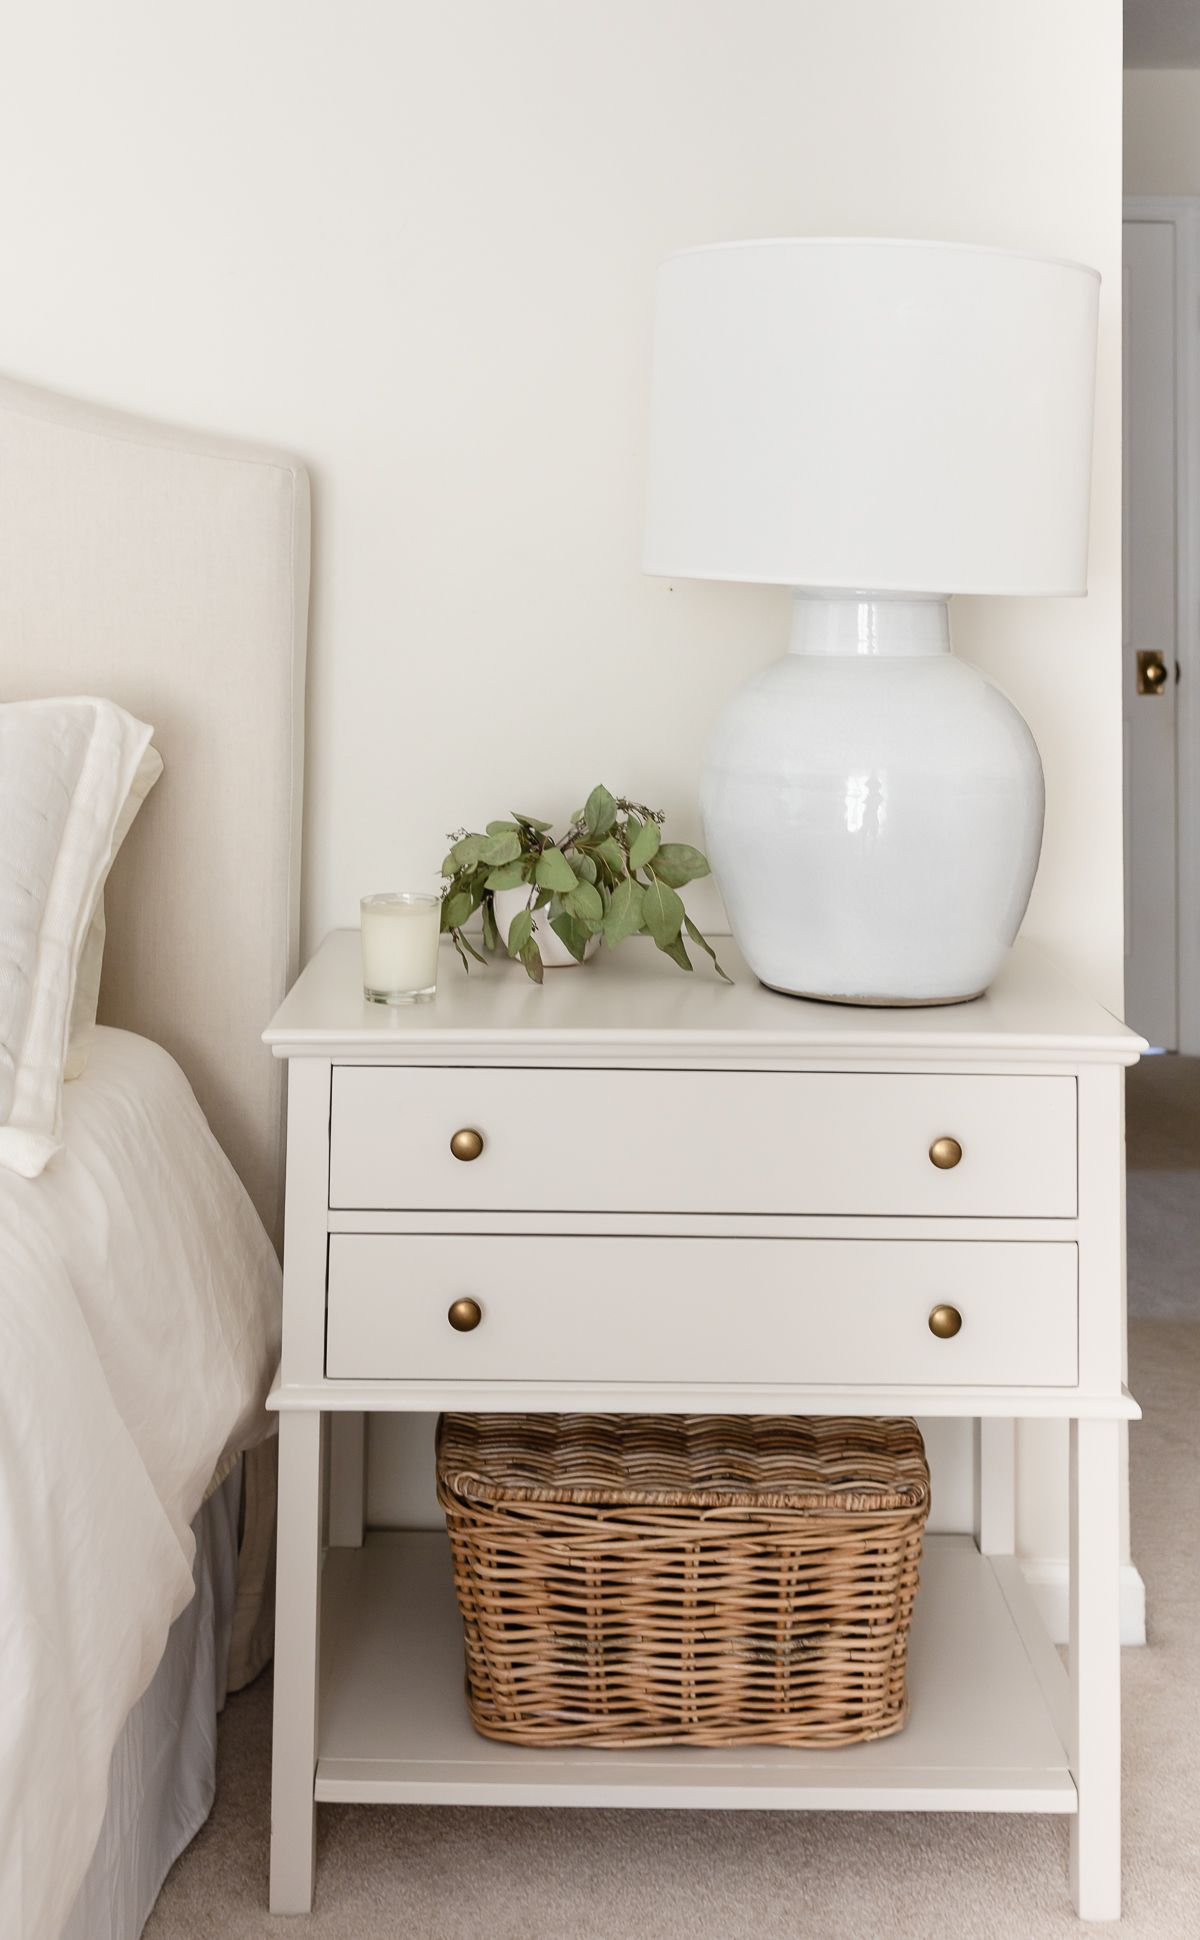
(169, 572)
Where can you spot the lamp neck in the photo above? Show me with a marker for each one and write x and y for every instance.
(897, 625)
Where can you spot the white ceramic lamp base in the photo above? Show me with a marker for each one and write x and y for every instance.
(873, 809)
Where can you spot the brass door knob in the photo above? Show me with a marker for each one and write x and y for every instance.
(1152, 671)
(945, 1322)
(464, 1315)
(467, 1144)
(945, 1152)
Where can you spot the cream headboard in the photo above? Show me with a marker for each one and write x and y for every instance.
(169, 572)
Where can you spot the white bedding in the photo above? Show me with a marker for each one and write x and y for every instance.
(139, 1329)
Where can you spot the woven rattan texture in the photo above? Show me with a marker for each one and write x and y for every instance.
(666, 1579)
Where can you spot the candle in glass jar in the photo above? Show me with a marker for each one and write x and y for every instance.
(400, 946)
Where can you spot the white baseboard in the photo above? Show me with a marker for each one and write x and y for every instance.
(1048, 1578)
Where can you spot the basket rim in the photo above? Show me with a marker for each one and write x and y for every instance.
(908, 1494)
(469, 1486)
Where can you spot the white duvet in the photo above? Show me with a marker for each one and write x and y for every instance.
(139, 1329)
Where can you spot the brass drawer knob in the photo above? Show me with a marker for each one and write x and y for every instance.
(945, 1322)
(467, 1144)
(945, 1152)
(464, 1315)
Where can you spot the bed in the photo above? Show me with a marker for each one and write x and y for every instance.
(168, 572)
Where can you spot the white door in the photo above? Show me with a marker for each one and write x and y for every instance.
(1149, 630)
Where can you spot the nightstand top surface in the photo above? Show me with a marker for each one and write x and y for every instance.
(633, 1005)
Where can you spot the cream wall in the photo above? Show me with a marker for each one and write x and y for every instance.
(1162, 131)
(416, 244)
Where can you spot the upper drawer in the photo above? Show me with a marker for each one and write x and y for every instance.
(701, 1142)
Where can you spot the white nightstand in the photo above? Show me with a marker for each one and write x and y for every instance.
(768, 1233)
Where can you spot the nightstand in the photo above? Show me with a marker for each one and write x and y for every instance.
(789, 1207)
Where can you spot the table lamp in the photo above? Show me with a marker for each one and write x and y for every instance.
(877, 425)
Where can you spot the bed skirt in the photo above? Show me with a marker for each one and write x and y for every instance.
(162, 1779)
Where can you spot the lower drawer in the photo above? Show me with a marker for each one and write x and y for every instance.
(852, 1312)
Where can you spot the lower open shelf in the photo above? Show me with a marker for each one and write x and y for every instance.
(985, 1734)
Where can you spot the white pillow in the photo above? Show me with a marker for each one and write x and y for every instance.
(66, 770)
(91, 957)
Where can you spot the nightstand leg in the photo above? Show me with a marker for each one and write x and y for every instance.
(1095, 1666)
(996, 1472)
(297, 1638)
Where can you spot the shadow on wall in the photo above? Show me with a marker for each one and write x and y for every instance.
(1163, 1137)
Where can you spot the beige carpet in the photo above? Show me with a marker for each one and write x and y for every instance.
(408, 1873)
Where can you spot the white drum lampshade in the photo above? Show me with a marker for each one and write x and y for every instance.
(877, 425)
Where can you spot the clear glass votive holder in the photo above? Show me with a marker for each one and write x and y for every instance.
(400, 946)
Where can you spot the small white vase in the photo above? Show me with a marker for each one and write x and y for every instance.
(554, 953)
(872, 809)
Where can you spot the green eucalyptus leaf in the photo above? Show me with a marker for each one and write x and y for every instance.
(678, 862)
(491, 935)
(456, 937)
(449, 865)
(495, 849)
(466, 852)
(611, 855)
(677, 952)
(698, 937)
(531, 822)
(662, 913)
(584, 867)
(510, 875)
(573, 934)
(531, 958)
(585, 902)
(644, 845)
(542, 899)
(554, 871)
(500, 828)
(600, 812)
(519, 932)
(456, 909)
(463, 942)
(624, 914)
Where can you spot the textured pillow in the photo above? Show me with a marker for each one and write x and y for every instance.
(91, 957)
(66, 771)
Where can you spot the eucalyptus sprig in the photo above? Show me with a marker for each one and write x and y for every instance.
(610, 875)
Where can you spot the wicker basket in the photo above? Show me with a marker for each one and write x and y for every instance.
(684, 1579)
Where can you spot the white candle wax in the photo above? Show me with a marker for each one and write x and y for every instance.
(400, 946)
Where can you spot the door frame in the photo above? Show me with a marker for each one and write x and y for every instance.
(1182, 212)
